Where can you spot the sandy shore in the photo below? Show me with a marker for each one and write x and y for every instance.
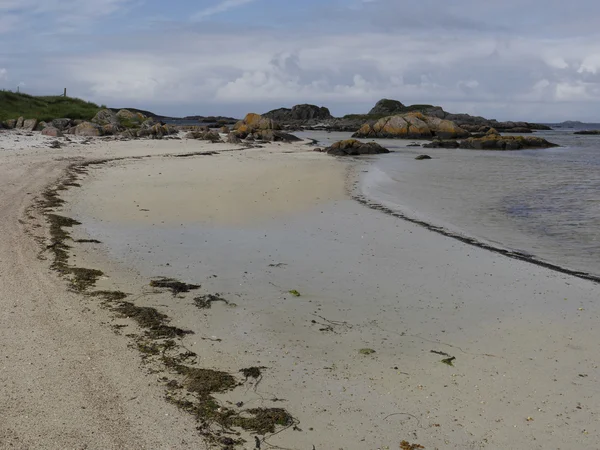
(257, 224)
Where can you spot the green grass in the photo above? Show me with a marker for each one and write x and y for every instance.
(13, 106)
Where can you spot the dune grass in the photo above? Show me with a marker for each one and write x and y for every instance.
(14, 105)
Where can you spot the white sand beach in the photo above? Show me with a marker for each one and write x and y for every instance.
(253, 225)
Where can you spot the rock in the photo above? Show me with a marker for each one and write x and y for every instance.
(129, 119)
(422, 157)
(20, 122)
(61, 124)
(387, 107)
(233, 139)
(30, 124)
(111, 129)
(156, 131)
(86, 129)
(492, 131)
(10, 123)
(224, 129)
(55, 144)
(519, 130)
(497, 142)
(588, 132)
(411, 126)
(51, 131)
(41, 125)
(255, 127)
(209, 135)
(105, 117)
(317, 149)
(439, 143)
(299, 113)
(352, 147)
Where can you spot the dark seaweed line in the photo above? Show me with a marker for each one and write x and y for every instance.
(474, 242)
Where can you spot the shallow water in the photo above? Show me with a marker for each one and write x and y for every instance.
(541, 202)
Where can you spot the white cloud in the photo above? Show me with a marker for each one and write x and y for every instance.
(3, 74)
(221, 7)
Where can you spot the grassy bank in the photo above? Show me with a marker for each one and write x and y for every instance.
(13, 105)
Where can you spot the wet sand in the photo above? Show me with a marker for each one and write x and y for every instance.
(524, 337)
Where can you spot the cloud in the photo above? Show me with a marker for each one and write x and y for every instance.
(3, 74)
(221, 7)
(466, 56)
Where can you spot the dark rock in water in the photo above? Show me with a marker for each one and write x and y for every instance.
(588, 132)
(440, 143)
(497, 142)
(414, 144)
(388, 107)
(413, 126)
(353, 147)
(422, 157)
(520, 130)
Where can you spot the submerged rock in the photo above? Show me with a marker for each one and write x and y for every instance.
(442, 143)
(588, 132)
(422, 157)
(353, 147)
(412, 125)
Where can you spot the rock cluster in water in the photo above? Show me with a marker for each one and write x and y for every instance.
(413, 125)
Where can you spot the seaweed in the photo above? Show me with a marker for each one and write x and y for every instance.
(175, 286)
(206, 301)
(111, 296)
(405, 445)
(252, 372)
(153, 321)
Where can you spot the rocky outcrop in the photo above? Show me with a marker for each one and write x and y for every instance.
(129, 119)
(388, 107)
(299, 113)
(256, 127)
(353, 147)
(152, 130)
(497, 142)
(411, 126)
(204, 135)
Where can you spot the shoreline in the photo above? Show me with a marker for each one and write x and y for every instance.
(399, 392)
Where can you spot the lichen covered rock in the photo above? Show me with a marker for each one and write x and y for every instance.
(353, 147)
(412, 125)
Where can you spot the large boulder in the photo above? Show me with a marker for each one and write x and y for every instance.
(497, 142)
(10, 123)
(52, 132)
(130, 119)
(353, 147)
(412, 125)
(87, 129)
(29, 124)
(387, 107)
(20, 122)
(233, 139)
(105, 117)
(61, 124)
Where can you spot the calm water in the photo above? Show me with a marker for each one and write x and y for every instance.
(542, 202)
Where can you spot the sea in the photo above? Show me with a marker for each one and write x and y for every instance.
(544, 203)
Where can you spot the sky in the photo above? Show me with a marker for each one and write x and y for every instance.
(535, 60)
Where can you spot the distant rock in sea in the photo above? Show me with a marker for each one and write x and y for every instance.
(588, 132)
(300, 113)
(413, 125)
(353, 147)
(388, 107)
